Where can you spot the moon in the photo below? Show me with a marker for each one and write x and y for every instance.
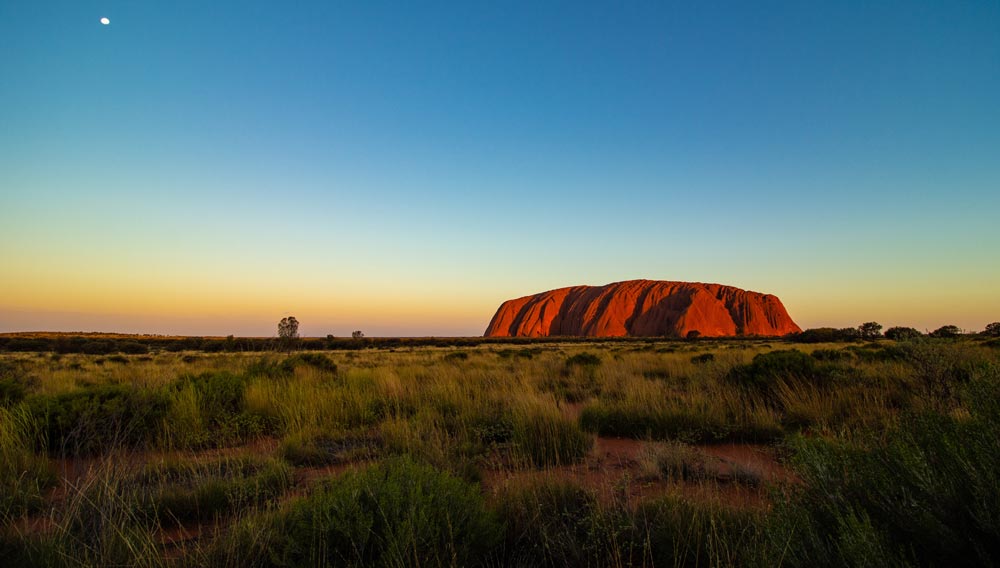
(105, 21)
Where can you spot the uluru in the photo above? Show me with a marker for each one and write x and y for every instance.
(650, 308)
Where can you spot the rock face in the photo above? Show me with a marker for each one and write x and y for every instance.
(643, 308)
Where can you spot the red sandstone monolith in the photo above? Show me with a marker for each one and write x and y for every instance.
(643, 308)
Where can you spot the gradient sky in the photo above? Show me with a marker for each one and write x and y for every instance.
(402, 168)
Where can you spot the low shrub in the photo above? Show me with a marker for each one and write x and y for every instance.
(620, 419)
(272, 368)
(14, 383)
(96, 419)
(178, 492)
(526, 353)
(392, 514)
(703, 358)
(548, 522)
(674, 531)
(925, 493)
(543, 436)
(132, 348)
(314, 448)
(24, 476)
(317, 361)
(98, 348)
(831, 355)
(583, 360)
(902, 333)
(768, 371)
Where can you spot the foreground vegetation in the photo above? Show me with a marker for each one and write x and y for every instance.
(885, 453)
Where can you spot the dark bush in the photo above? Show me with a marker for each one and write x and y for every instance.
(703, 358)
(97, 419)
(870, 353)
(393, 514)
(831, 355)
(456, 357)
(902, 333)
(213, 345)
(316, 361)
(946, 331)
(132, 348)
(11, 391)
(826, 335)
(272, 368)
(24, 344)
(768, 369)
(98, 348)
(583, 360)
(13, 384)
(526, 353)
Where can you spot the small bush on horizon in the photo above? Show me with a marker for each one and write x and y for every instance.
(946, 331)
(899, 333)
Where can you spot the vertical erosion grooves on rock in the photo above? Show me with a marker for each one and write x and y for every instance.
(643, 308)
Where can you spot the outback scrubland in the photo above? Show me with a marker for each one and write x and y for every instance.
(604, 453)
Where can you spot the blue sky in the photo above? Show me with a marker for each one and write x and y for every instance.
(402, 168)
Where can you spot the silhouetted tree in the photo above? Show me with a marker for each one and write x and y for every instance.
(288, 328)
(993, 329)
(870, 330)
(357, 334)
(288, 331)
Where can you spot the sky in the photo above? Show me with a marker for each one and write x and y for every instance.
(402, 168)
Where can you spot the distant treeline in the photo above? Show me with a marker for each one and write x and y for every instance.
(141, 344)
(137, 345)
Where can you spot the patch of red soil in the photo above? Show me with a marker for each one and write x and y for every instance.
(615, 471)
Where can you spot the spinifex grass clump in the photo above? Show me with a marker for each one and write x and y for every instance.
(583, 360)
(690, 419)
(210, 410)
(927, 492)
(549, 522)
(24, 475)
(317, 361)
(767, 370)
(398, 513)
(314, 447)
(555, 522)
(13, 383)
(543, 436)
(183, 491)
(97, 419)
